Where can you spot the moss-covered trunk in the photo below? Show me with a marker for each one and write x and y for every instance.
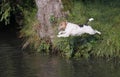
(46, 10)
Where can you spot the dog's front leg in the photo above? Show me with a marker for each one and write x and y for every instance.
(63, 35)
(61, 32)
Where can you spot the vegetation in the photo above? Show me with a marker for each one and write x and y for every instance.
(106, 15)
(106, 20)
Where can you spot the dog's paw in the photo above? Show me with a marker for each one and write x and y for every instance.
(58, 35)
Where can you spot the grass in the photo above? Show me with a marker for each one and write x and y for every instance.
(30, 34)
(107, 21)
(106, 15)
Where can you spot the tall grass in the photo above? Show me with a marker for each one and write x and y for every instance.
(107, 21)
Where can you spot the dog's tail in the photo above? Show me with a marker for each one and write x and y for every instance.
(89, 20)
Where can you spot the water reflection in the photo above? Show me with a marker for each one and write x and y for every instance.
(16, 63)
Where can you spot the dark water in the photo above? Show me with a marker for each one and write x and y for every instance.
(16, 63)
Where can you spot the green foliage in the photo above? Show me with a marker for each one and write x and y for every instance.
(13, 8)
(28, 31)
(67, 4)
(27, 10)
(77, 46)
(30, 34)
(63, 44)
(53, 19)
(5, 11)
(106, 15)
(44, 47)
(106, 21)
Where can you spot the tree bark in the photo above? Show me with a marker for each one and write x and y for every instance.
(46, 9)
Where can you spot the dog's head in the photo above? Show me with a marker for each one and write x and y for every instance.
(62, 25)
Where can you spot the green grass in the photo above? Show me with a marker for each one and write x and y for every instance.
(30, 34)
(107, 21)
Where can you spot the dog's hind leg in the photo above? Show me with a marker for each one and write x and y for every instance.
(97, 32)
(92, 32)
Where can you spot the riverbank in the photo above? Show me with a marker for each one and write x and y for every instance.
(106, 15)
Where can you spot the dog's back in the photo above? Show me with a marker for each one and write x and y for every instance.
(86, 24)
(81, 25)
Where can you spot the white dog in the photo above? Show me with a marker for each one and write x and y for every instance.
(70, 29)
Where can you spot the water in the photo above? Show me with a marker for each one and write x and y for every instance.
(16, 63)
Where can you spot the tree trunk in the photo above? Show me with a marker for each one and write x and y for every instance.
(47, 9)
